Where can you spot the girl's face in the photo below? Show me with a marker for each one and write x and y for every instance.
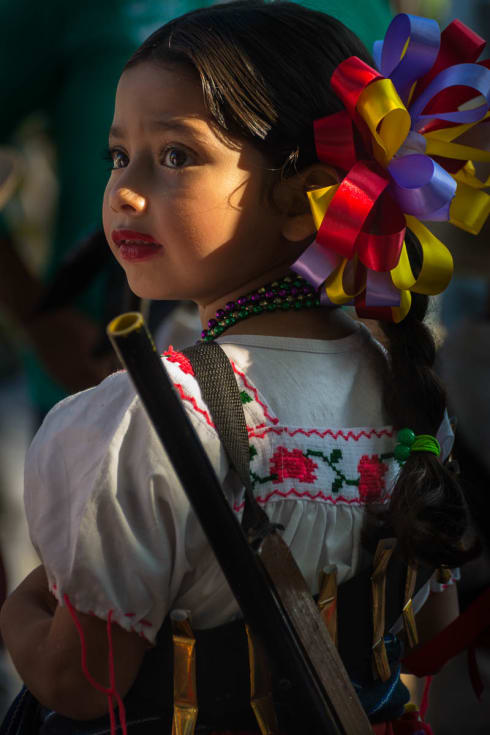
(186, 214)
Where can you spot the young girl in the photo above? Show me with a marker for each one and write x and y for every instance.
(213, 153)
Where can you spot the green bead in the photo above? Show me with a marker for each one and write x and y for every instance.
(257, 309)
(402, 452)
(406, 436)
(208, 338)
(298, 305)
(317, 302)
(229, 321)
(309, 303)
(218, 330)
(297, 283)
(243, 313)
(271, 307)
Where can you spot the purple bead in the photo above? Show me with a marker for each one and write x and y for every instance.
(283, 293)
(242, 301)
(255, 297)
(220, 314)
(294, 291)
(204, 333)
(269, 295)
(212, 323)
(306, 289)
(230, 306)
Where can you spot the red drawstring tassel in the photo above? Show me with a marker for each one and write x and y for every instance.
(110, 691)
(424, 704)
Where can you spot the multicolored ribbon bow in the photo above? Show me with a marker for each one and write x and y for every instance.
(407, 140)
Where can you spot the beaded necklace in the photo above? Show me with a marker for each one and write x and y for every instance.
(290, 292)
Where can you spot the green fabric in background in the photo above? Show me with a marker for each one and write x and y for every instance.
(64, 59)
(369, 19)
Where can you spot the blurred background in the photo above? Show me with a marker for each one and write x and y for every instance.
(59, 66)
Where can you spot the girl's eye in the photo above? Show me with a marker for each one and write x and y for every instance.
(118, 158)
(176, 157)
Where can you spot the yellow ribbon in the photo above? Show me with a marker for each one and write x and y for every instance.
(319, 202)
(386, 116)
(437, 262)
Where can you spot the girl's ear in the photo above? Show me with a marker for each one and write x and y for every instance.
(290, 195)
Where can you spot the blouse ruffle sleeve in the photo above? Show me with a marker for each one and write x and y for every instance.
(106, 511)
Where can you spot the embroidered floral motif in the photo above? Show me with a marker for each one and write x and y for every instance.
(244, 397)
(332, 461)
(182, 361)
(295, 464)
(292, 464)
(372, 482)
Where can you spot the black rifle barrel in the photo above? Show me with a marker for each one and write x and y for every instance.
(243, 570)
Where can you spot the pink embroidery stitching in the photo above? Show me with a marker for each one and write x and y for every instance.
(294, 464)
(371, 483)
(306, 494)
(182, 361)
(322, 434)
(193, 402)
(254, 390)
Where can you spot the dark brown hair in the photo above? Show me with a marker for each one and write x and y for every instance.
(265, 70)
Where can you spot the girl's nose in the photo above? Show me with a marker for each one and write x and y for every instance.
(124, 199)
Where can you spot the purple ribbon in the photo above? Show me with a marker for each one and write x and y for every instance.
(424, 38)
(316, 264)
(474, 76)
(422, 187)
(380, 290)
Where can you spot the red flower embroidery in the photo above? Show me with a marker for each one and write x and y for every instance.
(292, 464)
(182, 361)
(371, 482)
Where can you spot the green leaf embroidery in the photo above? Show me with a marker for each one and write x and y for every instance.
(244, 397)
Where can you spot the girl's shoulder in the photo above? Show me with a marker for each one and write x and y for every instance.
(114, 401)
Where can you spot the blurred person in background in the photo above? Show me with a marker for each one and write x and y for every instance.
(460, 694)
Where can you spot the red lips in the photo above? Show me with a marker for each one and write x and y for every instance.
(131, 236)
(136, 246)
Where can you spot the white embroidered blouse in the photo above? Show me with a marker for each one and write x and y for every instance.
(113, 525)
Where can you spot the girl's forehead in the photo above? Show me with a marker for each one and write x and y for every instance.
(148, 93)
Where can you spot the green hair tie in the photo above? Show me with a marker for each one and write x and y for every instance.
(408, 442)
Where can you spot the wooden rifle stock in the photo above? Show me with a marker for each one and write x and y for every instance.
(267, 584)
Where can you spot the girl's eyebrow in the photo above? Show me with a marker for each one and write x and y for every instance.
(174, 125)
